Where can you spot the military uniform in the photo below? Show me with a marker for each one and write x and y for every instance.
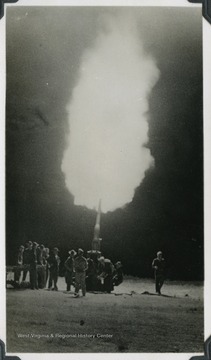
(53, 262)
(19, 263)
(41, 272)
(69, 263)
(33, 268)
(105, 271)
(159, 266)
(25, 262)
(91, 278)
(80, 266)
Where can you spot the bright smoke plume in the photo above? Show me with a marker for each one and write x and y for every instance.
(106, 157)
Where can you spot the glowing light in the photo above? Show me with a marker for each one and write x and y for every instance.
(106, 157)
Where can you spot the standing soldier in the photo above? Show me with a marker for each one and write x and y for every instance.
(27, 250)
(41, 271)
(91, 274)
(69, 267)
(53, 261)
(33, 266)
(80, 265)
(19, 262)
(46, 265)
(158, 265)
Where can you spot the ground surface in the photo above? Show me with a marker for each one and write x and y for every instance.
(131, 319)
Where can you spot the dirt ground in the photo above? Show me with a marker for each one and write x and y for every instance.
(130, 319)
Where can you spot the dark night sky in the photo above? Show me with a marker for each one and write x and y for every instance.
(44, 48)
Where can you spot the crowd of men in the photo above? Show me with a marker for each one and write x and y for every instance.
(85, 273)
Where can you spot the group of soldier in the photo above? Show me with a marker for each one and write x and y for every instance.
(42, 265)
(85, 273)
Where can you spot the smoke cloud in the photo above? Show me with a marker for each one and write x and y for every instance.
(106, 156)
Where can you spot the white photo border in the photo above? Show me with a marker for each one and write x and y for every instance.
(207, 172)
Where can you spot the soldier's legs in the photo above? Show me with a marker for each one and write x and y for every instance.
(68, 278)
(161, 281)
(157, 288)
(39, 278)
(77, 282)
(33, 278)
(46, 275)
(43, 277)
(50, 280)
(25, 272)
(17, 275)
(89, 283)
(55, 279)
(83, 283)
(108, 284)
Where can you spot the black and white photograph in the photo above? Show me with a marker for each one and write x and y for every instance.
(104, 180)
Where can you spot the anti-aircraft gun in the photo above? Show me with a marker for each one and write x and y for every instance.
(102, 275)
